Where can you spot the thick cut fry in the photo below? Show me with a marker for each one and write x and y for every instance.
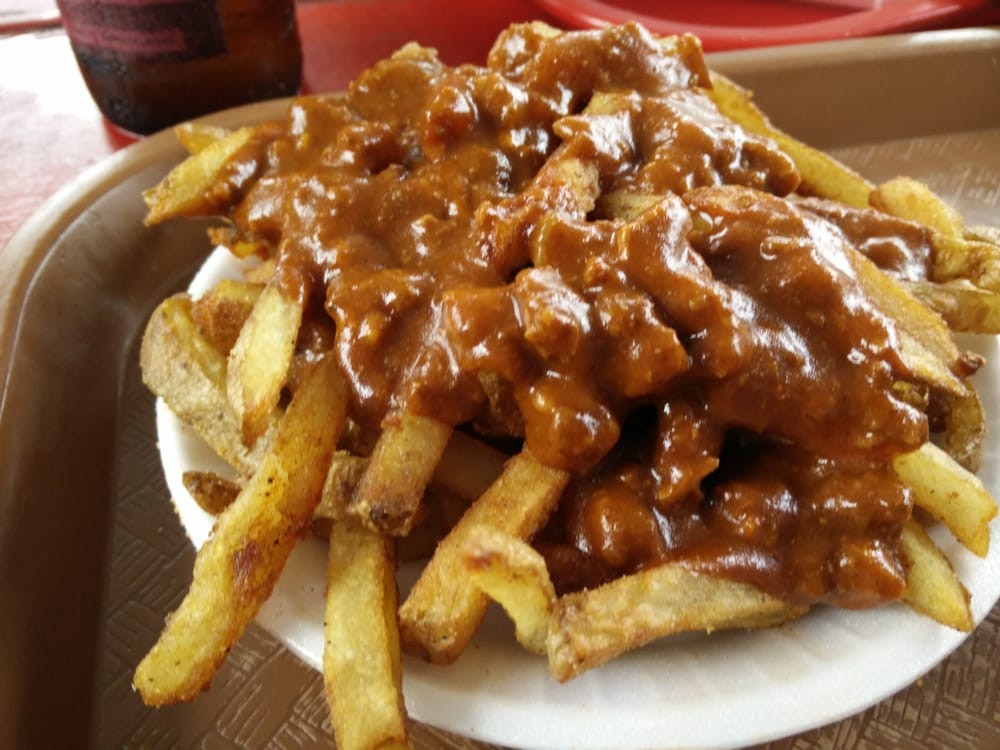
(951, 494)
(390, 490)
(186, 190)
(222, 312)
(237, 567)
(932, 588)
(822, 175)
(183, 368)
(927, 346)
(361, 658)
(445, 607)
(591, 627)
(513, 574)
(963, 306)
(259, 360)
(966, 259)
(466, 470)
(958, 254)
(909, 199)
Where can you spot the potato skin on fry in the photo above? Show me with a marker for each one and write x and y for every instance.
(258, 363)
(362, 673)
(514, 575)
(237, 567)
(400, 468)
(184, 369)
(445, 607)
(591, 627)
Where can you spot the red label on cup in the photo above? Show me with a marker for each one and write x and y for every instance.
(151, 30)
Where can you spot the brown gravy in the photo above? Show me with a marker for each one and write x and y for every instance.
(454, 234)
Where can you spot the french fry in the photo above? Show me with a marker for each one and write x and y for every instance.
(222, 312)
(389, 492)
(932, 588)
(963, 306)
(951, 494)
(362, 674)
(445, 607)
(958, 253)
(513, 574)
(237, 567)
(927, 346)
(197, 136)
(969, 259)
(909, 199)
(591, 627)
(186, 190)
(466, 470)
(184, 369)
(259, 360)
(822, 175)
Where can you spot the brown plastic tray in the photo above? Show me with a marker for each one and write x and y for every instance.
(91, 554)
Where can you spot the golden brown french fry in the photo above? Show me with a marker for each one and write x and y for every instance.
(963, 258)
(237, 567)
(513, 574)
(185, 190)
(259, 360)
(591, 627)
(212, 493)
(197, 136)
(927, 346)
(405, 456)
(928, 368)
(467, 468)
(222, 311)
(361, 657)
(822, 175)
(951, 494)
(444, 608)
(932, 588)
(958, 254)
(184, 369)
(963, 306)
(909, 199)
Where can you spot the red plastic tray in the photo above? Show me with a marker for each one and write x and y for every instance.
(735, 24)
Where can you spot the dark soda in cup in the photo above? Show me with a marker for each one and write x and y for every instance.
(152, 63)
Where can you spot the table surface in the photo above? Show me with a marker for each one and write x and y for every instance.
(51, 131)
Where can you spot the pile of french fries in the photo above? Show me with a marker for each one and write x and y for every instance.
(225, 364)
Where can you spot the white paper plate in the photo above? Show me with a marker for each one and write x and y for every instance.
(693, 691)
